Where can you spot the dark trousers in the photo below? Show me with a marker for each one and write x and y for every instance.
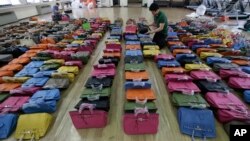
(160, 39)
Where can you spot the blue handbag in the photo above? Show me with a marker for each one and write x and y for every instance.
(46, 95)
(212, 60)
(209, 41)
(26, 72)
(7, 125)
(133, 53)
(246, 69)
(180, 57)
(34, 64)
(131, 37)
(46, 73)
(137, 85)
(177, 47)
(133, 43)
(195, 47)
(143, 36)
(35, 81)
(168, 63)
(246, 96)
(39, 106)
(197, 122)
(172, 34)
(133, 59)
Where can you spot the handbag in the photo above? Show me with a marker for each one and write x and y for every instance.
(204, 55)
(35, 81)
(239, 82)
(140, 122)
(204, 75)
(199, 50)
(27, 41)
(167, 70)
(137, 85)
(129, 106)
(34, 64)
(24, 91)
(132, 47)
(197, 122)
(212, 86)
(246, 96)
(135, 67)
(177, 77)
(188, 87)
(57, 83)
(192, 101)
(181, 51)
(229, 73)
(89, 118)
(100, 104)
(141, 94)
(25, 72)
(151, 52)
(44, 73)
(12, 67)
(163, 57)
(225, 116)
(13, 104)
(6, 87)
(212, 60)
(22, 60)
(168, 63)
(28, 127)
(81, 56)
(109, 61)
(107, 70)
(190, 67)
(94, 82)
(218, 66)
(8, 124)
(68, 69)
(134, 59)
(46, 67)
(136, 76)
(96, 93)
(8, 79)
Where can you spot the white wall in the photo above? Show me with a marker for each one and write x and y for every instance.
(25, 12)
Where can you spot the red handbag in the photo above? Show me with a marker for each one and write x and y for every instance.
(141, 122)
(90, 118)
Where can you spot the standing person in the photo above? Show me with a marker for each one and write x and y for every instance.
(56, 15)
(160, 25)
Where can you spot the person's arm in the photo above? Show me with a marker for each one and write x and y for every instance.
(152, 24)
(160, 28)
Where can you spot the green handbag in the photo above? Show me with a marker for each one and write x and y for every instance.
(3, 96)
(40, 58)
(44, 54)
(81, 55)
(196, 100)
(130, 107)
(94, 94)
(53, 66)
(134, 67)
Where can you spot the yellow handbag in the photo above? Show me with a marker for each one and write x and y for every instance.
(204, 55)
(9, 79)
(32, 126)
(151, 52)
(70, 76)
(77, 42)
(190, 67)
(68, 69)
(156, 47)
(56, 61)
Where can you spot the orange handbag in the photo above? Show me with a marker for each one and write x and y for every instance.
(199, 50)
(39, 46)
(166, 70)
(136, 75)
(22, 60)
(12, 67)
(28, 54)
(47, 40)
(181, 51)
(140, 94)
(34, 50)
(231, 53)
(6, 73)
(133, 47)
(241, 62)
(112, 54)
(6, 87)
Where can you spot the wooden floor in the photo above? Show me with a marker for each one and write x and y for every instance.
(62, 128)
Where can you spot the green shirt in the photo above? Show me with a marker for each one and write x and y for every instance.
(161, 18)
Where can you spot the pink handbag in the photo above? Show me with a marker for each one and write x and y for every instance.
(74, 63)
(25, 90)
(177, 77)
(88, 118)
(188, 87)
(103, 70)
(111, 50)
(224, 101)
(86, 48)
(13, 104)
(141, 122)
(228, 73)
(163, 57)
(239, 82)
(131, 29)
(203, 74)
(225, 116)
(63, 55)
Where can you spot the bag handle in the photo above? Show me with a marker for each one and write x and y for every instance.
(139, 110)
(142, 102)
(142, 84)
(135, 70)
(86, 106)
(93, 97)
(28, 132)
